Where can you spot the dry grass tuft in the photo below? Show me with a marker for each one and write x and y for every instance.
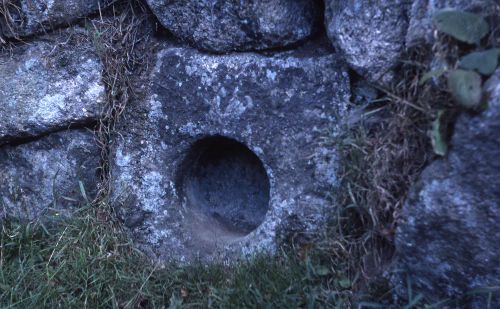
(9, 9)
(382, 157)
(117, 39)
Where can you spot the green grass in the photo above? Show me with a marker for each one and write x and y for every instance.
(85, 263)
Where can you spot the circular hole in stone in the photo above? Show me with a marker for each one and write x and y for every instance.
(225, 187)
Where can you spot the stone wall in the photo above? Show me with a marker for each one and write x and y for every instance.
(227, 146)
(50, 97)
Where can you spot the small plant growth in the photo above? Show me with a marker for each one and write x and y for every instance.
(466, 74)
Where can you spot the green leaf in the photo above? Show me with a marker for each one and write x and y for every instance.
(465, 87)
(322, 271)
(439, 144)
(82, 191)
(485, 62)
(464, 26)
(345, 283)
(431, 74)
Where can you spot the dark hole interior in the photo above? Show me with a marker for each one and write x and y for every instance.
(225, 186)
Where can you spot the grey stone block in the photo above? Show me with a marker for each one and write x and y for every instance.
(370, 34)
(48, 84)
(222, 25)
(230, 153)
(41, 178)
(29, 17)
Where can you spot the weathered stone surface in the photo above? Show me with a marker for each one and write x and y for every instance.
(47, 85)
(45, 174)
(227, 150)
(28, 17)
(421, 27)
(448, 242)
(222, 25)
(370, 34)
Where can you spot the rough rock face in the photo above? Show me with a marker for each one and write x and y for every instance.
(370, 34)
(448, 241)
(221, 25)
(228, 152)
(48, 85)
(28, 17)
(421, 28)
(44, 174)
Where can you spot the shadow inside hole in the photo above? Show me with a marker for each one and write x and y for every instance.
(225, 189)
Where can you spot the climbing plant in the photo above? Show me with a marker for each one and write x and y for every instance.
(465, 77)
